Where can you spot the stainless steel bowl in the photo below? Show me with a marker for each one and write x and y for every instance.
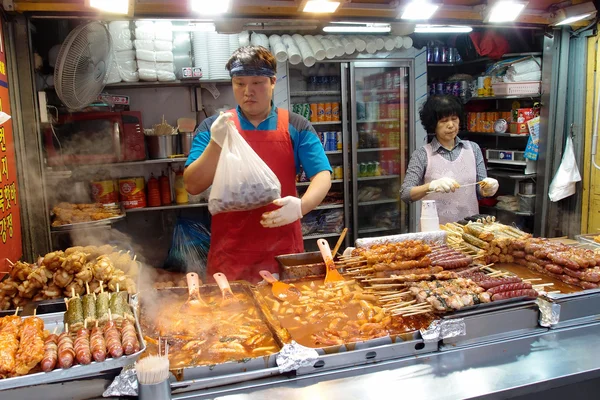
(162, 146)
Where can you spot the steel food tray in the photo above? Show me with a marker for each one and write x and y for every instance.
(570, 309)
(55, 320)
(236, 371)
(85, 225)
(588, 239)
(301, 265)
(504, 320)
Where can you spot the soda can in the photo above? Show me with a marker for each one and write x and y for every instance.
(448, 88)
(432, 89)
(321, 112)
(313, 112)
(321, 138)
(439, 88)
(335, 111)
(377, 171)
(363, 170)
(306, 110)
(456, 89)
(444, 55)
(452, 55)
(327, 111)
(429, 55)
(339, 141)
(436, 55)
(338, 172)
(334, 141)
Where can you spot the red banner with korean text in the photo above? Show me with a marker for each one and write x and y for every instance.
(11, 246)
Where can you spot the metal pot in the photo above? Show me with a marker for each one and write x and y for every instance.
(162, 146)
(186, 139)
(526, 187)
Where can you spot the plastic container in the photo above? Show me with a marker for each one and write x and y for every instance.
(516, 88)
(526, 203)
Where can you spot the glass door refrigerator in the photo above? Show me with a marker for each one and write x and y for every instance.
(382, 110)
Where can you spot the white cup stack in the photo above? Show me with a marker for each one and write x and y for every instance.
(292, 49)
(308, 56)
(429, 216)
(349, 45)
(317, 47)
(339, 47)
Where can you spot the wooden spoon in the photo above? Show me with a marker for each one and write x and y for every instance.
(331, 273)
(228, 296)
(194, 300)
(280, 290)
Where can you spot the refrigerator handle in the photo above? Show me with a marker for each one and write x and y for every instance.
(353, 132)
(345, 150)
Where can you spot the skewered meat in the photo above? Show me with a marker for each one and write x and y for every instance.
(9, 343)
(95, 286)
(491, 282)
(31, 347)
(76, 285)
(118, 278)
(417, 271)
(509, 287)
(66, 353)
(5, 303)
(40, 276)
(73, 317)
(19, 301)
(9, 287)
(515, 293)
(50, 353)
(52, 291)
(399, 265)
(53, 260)
(130, 286)
(103, 269)
(129, 338)
(39, 297)
(28, 289)
(20, 271)
(74, 262)
(86, 274)
(112, 336)
(82, 347)
(97, 344)
(62, 278)
(75, 249)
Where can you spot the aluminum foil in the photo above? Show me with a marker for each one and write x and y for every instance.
(293, 356)
(125, 384)
(549, 312)
(443, 329)
(427, 237)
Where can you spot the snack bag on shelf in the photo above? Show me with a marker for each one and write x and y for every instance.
(242, 180)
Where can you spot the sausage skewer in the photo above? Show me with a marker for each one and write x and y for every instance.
(66, 353)
(129, 338)
(50, 352)
(82, 346)
(112, 336)
(98, 344)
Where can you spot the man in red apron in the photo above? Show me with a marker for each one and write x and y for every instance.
(245, 242)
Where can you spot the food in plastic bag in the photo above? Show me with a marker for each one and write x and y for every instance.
(564, 182)
(189, 248)
(242, 180)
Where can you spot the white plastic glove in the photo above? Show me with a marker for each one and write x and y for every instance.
(443, 185)
(290, 211)
(489, 187)
(219, 129)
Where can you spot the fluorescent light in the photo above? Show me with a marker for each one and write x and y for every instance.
(419, 10)
(367, 28)
(321, 6)
(569, 21)
(577, 12)
(505, 11)
(443, 29)
(111, 6)
(209, 7)
(195, 27)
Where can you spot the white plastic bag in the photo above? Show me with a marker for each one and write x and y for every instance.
(563, 184)
(242, 180)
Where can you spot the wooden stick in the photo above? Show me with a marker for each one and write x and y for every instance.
(417, 313)
(543, 285)
(10, 262)
(34, 311)
(554, 292)
(388, 285)
(532, 279)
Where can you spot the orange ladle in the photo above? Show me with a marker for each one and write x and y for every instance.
(280, 290)
(331, 273)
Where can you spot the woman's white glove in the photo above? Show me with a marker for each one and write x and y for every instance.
(489, 187)
(443, 185)
(290, 211)
(219, 128)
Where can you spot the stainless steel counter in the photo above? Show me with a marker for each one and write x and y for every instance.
(511, 368)
(517, 367)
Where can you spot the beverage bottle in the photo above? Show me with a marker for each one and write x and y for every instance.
(334, 78)
(153, 192)
(322, 80)
(312, 78)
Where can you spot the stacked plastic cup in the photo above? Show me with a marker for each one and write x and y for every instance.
(429, 216)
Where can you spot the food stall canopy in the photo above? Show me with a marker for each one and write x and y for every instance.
(466, 11)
